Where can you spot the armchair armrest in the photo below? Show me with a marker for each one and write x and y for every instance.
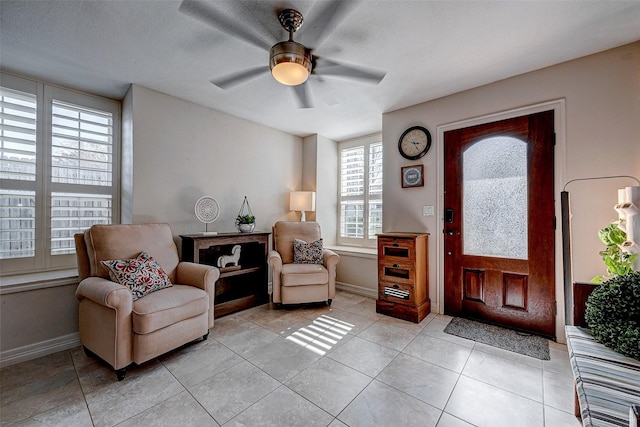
(201, 276)
(330, 259)
(105, 320)
(106, 293)
(275, 261)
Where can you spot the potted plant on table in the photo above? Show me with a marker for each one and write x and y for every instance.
(617, 261)
(245, 223)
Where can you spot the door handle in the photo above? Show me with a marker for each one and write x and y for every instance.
(450, 232)
(448, 215)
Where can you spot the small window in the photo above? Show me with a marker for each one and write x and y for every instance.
(360, 191)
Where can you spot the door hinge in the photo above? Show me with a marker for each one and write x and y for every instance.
(555, 308)
(554, 222)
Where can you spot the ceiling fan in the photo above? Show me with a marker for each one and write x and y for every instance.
(290, 62)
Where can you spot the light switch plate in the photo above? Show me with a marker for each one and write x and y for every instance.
(428, 210)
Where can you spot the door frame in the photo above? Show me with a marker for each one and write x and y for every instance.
(558, 107)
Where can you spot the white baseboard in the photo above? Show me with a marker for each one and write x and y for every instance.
(39, 349)
(358, 290)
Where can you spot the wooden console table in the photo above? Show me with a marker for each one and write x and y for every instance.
(241, 287)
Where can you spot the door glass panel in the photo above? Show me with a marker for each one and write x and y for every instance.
(494, 201)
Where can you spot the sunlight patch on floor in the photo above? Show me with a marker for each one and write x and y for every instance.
(321, 335)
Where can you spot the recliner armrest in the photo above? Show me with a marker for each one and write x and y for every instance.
(275, 261)
(199, 275)
(329, 258)
(105, 292)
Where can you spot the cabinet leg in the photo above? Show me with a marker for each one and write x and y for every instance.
(329, 301)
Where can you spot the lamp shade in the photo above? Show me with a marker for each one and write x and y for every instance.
(302, 201)
(290, 63)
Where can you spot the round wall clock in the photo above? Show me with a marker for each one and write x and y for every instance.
(414, 142)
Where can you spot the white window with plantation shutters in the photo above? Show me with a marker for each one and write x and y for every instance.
(58, 171)
(360, 191)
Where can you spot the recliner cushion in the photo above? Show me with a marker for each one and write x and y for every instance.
(168, 306)
(304, 274)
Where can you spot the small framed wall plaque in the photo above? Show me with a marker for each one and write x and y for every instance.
(412, 176)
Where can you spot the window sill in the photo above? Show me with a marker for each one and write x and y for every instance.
(355, 251)
(34, 281)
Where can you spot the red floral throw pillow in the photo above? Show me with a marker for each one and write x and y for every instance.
(307, 253)
(142, 275)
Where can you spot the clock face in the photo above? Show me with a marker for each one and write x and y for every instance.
(414, 143)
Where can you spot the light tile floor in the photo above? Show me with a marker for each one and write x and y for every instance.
(343, 365)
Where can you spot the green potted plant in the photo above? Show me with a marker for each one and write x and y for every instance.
(245, 223)
(618, 262)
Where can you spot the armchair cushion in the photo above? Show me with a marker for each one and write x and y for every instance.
(162, 309)
(307, 252)
(304, 274)
(142, 275)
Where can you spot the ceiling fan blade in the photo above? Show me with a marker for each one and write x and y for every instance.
(231, 80)
(303, 96)
(203, 12)
(327, 67)
(331, 14)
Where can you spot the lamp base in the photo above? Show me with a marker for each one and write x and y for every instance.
(302, 216)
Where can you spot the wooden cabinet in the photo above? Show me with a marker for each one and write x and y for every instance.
(240, 286)
(403, 276)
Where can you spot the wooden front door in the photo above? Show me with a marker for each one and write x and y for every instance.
(499, 223)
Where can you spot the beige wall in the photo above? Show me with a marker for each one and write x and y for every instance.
(183, 151)
(320, 174)
(37, 319)
(602, 124)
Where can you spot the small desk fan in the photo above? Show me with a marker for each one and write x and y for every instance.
(207, 210)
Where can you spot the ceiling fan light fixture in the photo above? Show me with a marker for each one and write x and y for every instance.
(290, 63)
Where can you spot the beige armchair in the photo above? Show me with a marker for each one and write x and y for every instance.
(122, 331)
(299, 283)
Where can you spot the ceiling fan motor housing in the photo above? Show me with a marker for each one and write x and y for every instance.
(290, 63)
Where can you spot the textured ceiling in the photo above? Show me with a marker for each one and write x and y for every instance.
(428, 49)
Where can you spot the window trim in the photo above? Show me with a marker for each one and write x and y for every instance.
(365, 241)
(45, 93)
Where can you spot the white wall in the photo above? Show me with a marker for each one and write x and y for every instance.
(183, 151)
(602, 94)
